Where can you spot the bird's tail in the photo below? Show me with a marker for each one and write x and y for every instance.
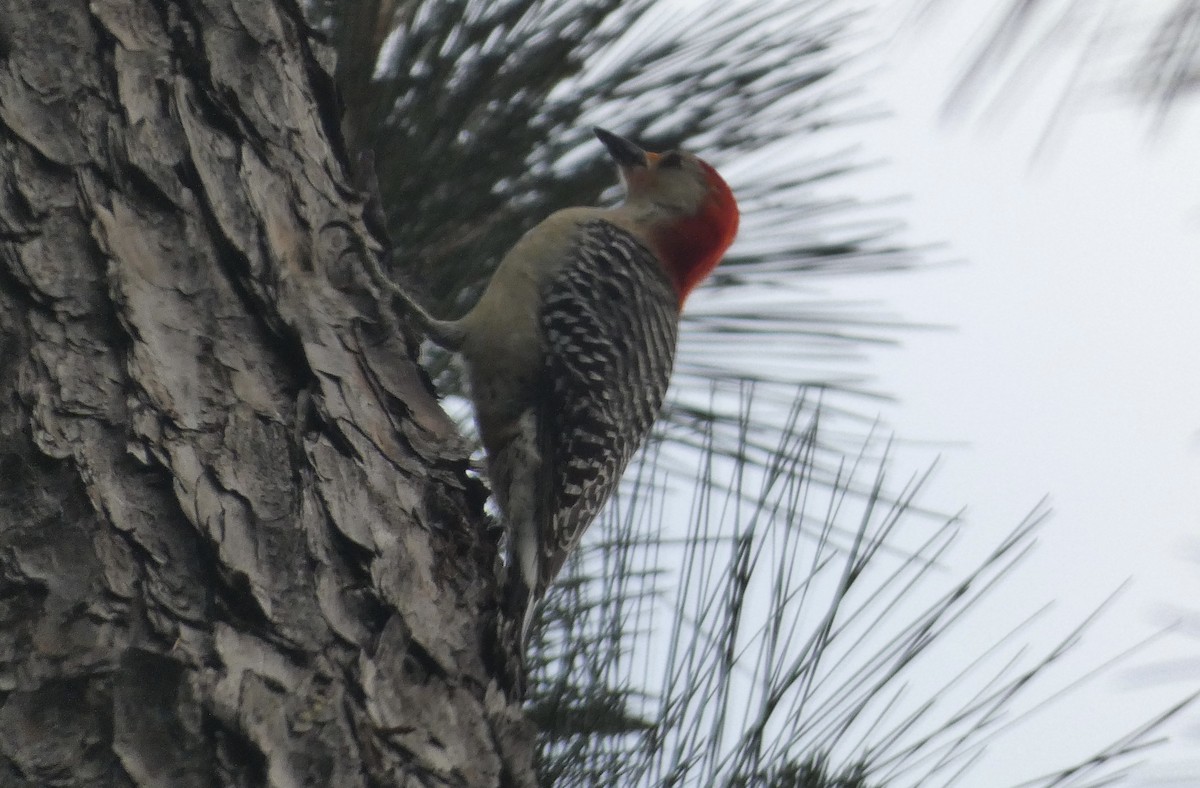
(519, 602)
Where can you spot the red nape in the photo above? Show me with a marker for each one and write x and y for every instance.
(691, 248)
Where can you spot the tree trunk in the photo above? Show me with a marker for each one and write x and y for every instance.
(238, 540)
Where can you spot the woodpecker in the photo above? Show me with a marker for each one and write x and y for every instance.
(569, 350)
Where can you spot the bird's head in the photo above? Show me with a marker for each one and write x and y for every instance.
(689, 212)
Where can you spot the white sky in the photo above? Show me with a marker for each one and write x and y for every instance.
(1072, 371)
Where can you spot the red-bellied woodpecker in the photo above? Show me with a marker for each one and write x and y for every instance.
(569, 351)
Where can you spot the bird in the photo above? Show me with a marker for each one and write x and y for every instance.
(569, 350)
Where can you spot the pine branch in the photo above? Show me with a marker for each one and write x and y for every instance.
(755, 632)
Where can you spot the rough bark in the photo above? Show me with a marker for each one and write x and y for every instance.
(238, 541)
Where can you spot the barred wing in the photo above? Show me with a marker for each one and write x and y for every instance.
(610, 319)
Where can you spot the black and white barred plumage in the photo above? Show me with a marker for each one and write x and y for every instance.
(569, 350)
(609, 320)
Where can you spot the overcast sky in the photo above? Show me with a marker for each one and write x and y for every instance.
(1071, 372)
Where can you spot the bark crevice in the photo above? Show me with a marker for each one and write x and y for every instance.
(239, 542)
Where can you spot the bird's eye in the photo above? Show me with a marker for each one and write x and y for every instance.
(670, 160)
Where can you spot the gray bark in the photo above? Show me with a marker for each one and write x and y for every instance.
(238, 541)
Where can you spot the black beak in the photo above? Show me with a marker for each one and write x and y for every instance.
(623, 152)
